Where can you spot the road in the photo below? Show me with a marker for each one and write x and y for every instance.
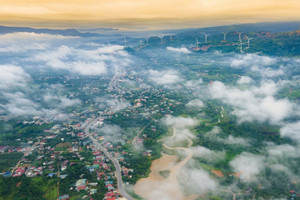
(114, 161)
(139, 134)
(58, 174)
(233, 194)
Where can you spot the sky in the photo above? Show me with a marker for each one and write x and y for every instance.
(144, 14)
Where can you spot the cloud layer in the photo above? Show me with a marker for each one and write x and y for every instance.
(254, 104)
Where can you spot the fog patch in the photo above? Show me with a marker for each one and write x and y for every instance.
(178, 122)
(23, 41)
(179, 50)
(248, 165)
(254, 104)
(63, 101)
(112, 133)
(83, 62)
(166, 77)
(12, 76)
(196, 103)
(207, 154)
(234, 141)
(291, 130)
(117, 105)
(252, 59)
(244, 80)
(191, 84)
(267, 71)
(196, 180)
(179, 138)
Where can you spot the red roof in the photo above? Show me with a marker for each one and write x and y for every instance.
(109, 194)
(83, 187)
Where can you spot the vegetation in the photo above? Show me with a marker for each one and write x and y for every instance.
(8, 160)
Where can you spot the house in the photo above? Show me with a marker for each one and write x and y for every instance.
(51, 174)
(82, 187)
(63, 176)
(7, 174)
(80, 182)
(64, 167)
(64, 197)
(19, 171)
(110, 187)
(93, 191)
(109, 194)
(101, 138)
(4, 148)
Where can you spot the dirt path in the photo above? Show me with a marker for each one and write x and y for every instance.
(222, 115)
(58, 174)
(233, 194)
(157, 187)
(139, 134)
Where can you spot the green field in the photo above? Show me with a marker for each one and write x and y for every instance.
(8, 160)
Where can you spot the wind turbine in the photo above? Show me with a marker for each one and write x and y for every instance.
(197, 43)
(241, 47)
(125, 42)
(141, 43)
(161, 39)
(240, 36)
(241, 42)
(248, 41)
(171, 38)
(225, 35)
(206, 35)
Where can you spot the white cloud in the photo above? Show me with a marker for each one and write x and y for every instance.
(197, 181)
(179, 50)
(35, 36)
(234, 140)
(84, 62)
(21, 48)
(112, 133)
(193, 84)
(12, 76)
(291, 130)
(61, 101)
(256, 103)
(252, 59)
(19, 105)
(84, 68)
(180, 131)
(256, 63)
(117, 105)
(207, 154)
(196, 103)
(249, 165)
(267, 71)
(283, 151)
(215, 130)
(166, 77)
(178, 138)
(20, 99)
(23, 41)
(245, 80)
(178, 122)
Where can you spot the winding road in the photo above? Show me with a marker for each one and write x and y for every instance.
(120, 183)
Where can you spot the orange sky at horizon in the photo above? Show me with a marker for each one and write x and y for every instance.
(154, 14)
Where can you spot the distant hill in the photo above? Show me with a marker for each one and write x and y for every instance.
(65, 32)
(98, 29)
(273, 27)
